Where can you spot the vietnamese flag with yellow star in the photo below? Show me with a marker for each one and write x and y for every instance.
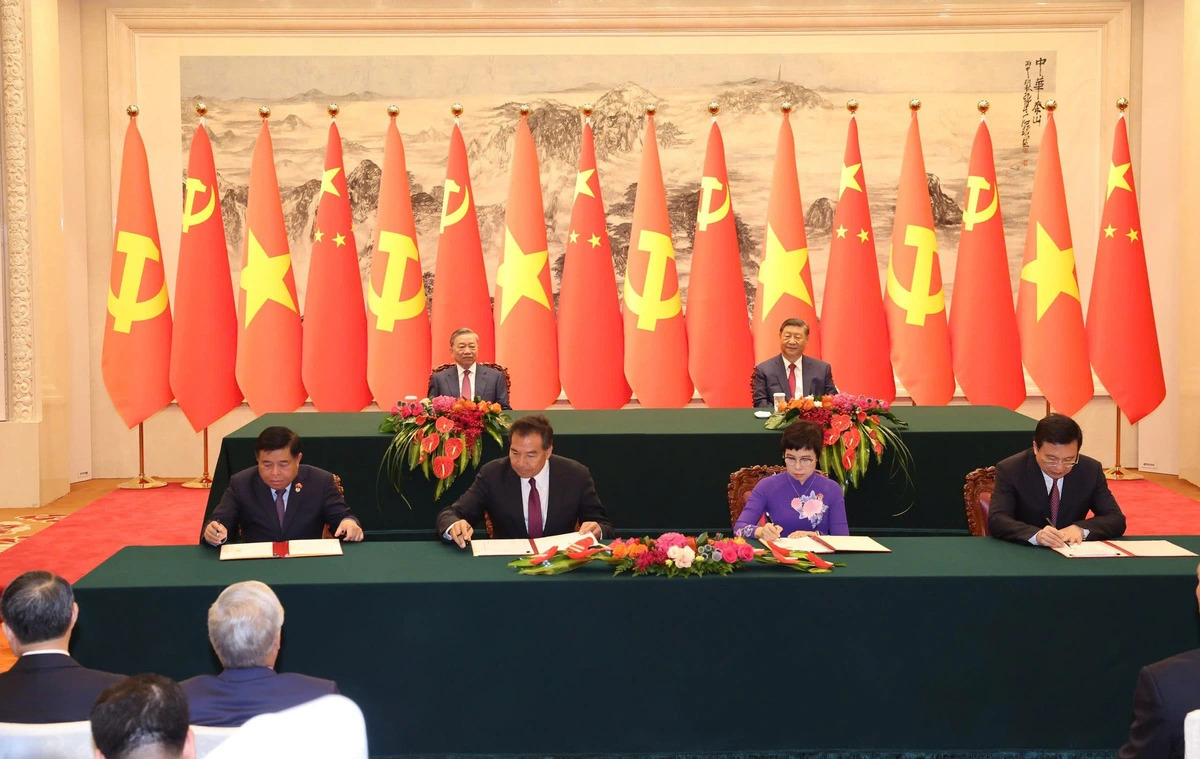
(1122, 337)
(269, 341)
(526, 341)
(914, 301)
(853, 324)
(398, 347)
(1049, 315)
(460, 288)
(204, 343)
(983, 325)
(656, 350)
(720, 348)
(591, 346)
(136, 355)
(334, 364)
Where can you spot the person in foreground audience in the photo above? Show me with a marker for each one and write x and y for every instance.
(45, 684)
(279, 499)
(142, 717)
(244, 627)
(467, 379)
(331, 727)
(1043, 494)
(791, 372)
(799, 502)
(529, 494)
(1166, 691)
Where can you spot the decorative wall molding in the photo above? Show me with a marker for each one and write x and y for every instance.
(14, 57)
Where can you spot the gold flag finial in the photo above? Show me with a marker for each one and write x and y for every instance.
(456, 109)
(333, 110)
(786, 107)
(1122, 104)
(1052, 105)
(132, 111)
(524, 109)
(264, 111)
(714, 107)
(983, 106)
(201, 109)
(852, 105)
(914, 105)
(393, 111)
(651, 109)
(586, 110)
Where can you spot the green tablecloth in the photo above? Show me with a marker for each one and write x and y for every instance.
(946, 643)
(661, 469)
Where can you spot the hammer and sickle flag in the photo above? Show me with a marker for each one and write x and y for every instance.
(656, 352)
(983, 326)
(204, 343)
(269, 340)
(914, 301)
(526, 340)
(135, 359)
(398, 352)
(334, 355)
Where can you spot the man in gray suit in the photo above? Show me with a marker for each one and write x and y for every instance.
(792, 373)
(467, 379)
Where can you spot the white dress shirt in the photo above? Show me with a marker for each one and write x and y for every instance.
(46, 651)
(542, 479)
(799, 374)
(474, 368)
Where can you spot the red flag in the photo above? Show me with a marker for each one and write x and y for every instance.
(983, 325)
(460, 288)
(135, 359)
(785, 288)
(591, 347)
(720, 349)
(656, 355)
(526, 341)
(853, 323)
(1049, 316)
(269, 341)
(914, 301)
(1122, 338)
(204, 342)
(334, 364)
(398, 349)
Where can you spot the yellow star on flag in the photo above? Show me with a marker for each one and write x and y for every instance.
(1132, 235)
(863, 235)
(318, 235)
(339, 240)
(779, 273)
(581, 183)
(574, 236)
(1116, 178)
(849, 180)
(841, 231)
(327, 185)
(1053, 271)
(594, 240)
(518, 276)
(1108, 231)
(262, 279)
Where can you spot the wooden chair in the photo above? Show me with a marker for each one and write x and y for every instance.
(742, 482)
(498, 367)
(977, 497)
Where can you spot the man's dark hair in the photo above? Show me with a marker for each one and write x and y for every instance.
(139, 711)
(36, 606)
(274, 438)
(794, 322)
(802, 435)
(1057, 429)
(534, 424)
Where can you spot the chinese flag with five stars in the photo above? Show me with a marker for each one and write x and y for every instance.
(1122, 338)
(136, 356)
(269, 341)
(460, 288)
(983, 325)
(1049, 315)
(334, 364)
(656, 352)
(853, 324)
(720, 349)
(914, 301)
(204, 343)
(591, 347)
(526, 341)
(398, 348)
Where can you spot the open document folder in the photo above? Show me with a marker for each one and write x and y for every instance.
(524, 546)
(1102, 549)
(833, 544)
(283, 550)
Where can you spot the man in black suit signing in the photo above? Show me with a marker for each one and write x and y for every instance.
(279, 499)
(530, 494)
(792, 373)
(1043, 494)
(467, 379)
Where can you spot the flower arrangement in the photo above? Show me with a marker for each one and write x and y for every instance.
(854, 431)
(439, 436)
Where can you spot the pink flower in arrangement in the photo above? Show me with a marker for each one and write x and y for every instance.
(669, 539)
(396, 409)
(442, 404)
(729, 553)
(745, 552)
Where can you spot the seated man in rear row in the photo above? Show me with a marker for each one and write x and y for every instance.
(467, 378)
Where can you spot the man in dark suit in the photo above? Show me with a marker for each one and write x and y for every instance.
(467, 379)
(279, 499)
(1043, 494)
(45, 684)
(791, 373)
(530, 494)
(244, 626)
(143, 716)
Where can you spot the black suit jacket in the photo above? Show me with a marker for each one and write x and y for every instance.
(497, 490)
(489, 385)
(1166, 691)
(1021, 504)
(770, 378)
(314, 501)
(236, 695)
(50, 688)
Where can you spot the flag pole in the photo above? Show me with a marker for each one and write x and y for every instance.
(203, 482)
(1116, 472)
(141, 482)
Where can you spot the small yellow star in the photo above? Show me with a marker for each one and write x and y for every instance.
(594, 240)
(1052, 271)
(848, 179)
(339, 240)
(1116, 178)
(1109, 230)
(1132, 235)
(581, 183)
(841, 232)
(318, 235)
(574, 236)
(263, 279)
(327, 185)
(863, 235)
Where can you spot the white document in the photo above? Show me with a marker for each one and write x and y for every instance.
(521, 546)
(832, 543)
(1152, 548)
(318, 547)
(1096, 549)
(803, 544)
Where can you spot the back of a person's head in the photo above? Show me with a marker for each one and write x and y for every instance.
(141, 717)
(37, 606)
(243, 624)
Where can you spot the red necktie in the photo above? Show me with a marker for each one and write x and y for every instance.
(466, 388)
(535, 510)
(279, 504)
(791, 381)
(1054, 498)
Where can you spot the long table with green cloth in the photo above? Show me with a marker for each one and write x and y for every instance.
(658, 470)
(947, 643)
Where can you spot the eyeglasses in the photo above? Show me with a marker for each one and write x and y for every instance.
(801, 461)
(1050, 461)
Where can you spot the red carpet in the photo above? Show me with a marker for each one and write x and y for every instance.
(1151, 509)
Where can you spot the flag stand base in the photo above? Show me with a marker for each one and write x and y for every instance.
(203, 482)
(1117, 473)
(141, 482)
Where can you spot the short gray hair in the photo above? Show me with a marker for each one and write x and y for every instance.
(243, 622)
(461, 331)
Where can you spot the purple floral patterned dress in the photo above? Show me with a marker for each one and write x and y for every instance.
(815, 505)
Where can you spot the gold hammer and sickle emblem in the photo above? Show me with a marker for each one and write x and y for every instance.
(973, 215)
(649, 306)
(453, 217)
(191, 219)
(387, 307)
(918, 302)
(125, 307)
(706, 215)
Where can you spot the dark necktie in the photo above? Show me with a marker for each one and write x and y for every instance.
(535, 510)
(1054, 498)
(791, 381)
(279, 504)
(466, 388)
